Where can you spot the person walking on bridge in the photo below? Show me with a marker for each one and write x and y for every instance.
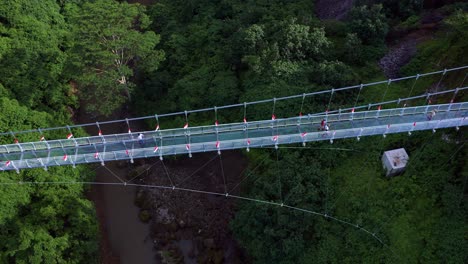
(431, 114)
(323, 124)
(140, 139)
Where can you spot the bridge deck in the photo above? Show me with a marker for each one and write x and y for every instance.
(230, 136)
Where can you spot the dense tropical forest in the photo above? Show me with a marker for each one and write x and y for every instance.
(63, 59)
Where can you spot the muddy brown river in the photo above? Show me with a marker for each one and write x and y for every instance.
(127, 235)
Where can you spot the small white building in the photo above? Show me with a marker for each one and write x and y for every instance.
(394, 161)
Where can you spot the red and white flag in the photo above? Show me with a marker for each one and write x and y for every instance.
(129, 131)
(65, 157)
(7, 163)
(157, 127)
(16, 141)
(70, 135)
(216, 123)
(186, 125)
(100, 132)
(273, 117)
(275, 138)
(42, 138)
(379, 107)
(245, 120)
(96, 155)
(217, 144)
(187, 146)
(352, 110)
(127, 152)
(303, 134)
(414, 124)
(155, 149)
(248, 142)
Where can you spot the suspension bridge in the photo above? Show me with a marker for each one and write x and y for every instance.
(356, 121)
(61, 148)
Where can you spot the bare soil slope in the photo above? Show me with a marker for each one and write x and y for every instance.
(333, 9)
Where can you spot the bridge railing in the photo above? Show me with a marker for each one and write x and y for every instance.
(221, 129)
(235, 143)
(239, 135)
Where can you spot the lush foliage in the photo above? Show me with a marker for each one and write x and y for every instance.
(54, 55)
(43, 223)
(369, 23)
(397, 8)
(221, 52)
(57, 56)
(32, 34)
(103, 58)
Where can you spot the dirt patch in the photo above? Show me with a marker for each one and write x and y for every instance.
(333, 9)
(403, 43)
(194, 227)
(400, 54)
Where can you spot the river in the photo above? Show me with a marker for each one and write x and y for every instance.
(127, 236)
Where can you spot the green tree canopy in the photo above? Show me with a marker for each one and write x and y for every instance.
(33, 35)
(42, 223)
(110, 41)
(369, 23)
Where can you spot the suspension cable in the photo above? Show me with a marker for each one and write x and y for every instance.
(163, 187)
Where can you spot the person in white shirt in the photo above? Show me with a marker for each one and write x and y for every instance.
(140, 139)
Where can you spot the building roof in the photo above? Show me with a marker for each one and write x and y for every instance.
(397, 158)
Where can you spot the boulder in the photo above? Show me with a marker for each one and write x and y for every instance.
(144, 216)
